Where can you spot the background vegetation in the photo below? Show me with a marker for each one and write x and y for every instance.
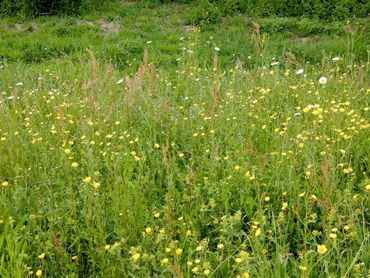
(31, 8)
(328, 9)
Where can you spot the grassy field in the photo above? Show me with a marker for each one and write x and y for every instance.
(134, 144)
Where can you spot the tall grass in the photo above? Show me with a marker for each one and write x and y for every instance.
(192, 170)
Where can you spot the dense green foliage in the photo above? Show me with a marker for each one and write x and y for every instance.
(209, 11)
(327, 9)
(48, 7)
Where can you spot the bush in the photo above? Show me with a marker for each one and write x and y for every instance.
(234, 6)
(204, 13)
(277, 25)
(31, 8)
(322, 9)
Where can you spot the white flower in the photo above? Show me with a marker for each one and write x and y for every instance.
(148, 42)
(274, 63)
(10, 97)
(120, 81)
(19, 84)
(335, 59)
(217, 49)
(323, 80)
(300, 71)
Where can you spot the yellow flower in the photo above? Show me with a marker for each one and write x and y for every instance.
(220, 246)
(67, 151)
(164, 261)
(206, 272)
(148, 230)
(95, 184)
(74, 164)
(178, 251)
(41, 256)
(136, 256)
(188, 233)
(258, 232)
(332, 235)
(302, 267)
(157, 214)
(156, 146)
(86, 179)
(246, 274)
(39, 273)
(107, 247)
(285, 205)
(74, 257)
(5, 184)
(322, 249)
(199, 248)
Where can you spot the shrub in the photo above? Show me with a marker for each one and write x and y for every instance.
(233, 6)
(204, 13)
(322, 9)
(32, 8)
(277, 25)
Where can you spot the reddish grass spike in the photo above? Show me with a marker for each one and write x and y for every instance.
(178, 271)
(264, 162)
(152, 75)
(56, 243)
(325, 171)
(145, 59)
(216, 94)
(360, 73)
(290, 57)
(256, 26)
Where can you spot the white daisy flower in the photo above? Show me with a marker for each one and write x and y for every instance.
(323, 80)
(299, 71)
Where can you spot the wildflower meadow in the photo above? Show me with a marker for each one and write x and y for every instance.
(135, 142)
